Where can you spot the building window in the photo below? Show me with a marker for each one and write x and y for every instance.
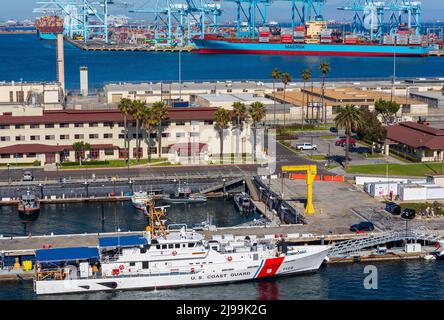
(50, 137)
(20, 95)
(35, 138)
(31, 155)
(153, 150)
(11, 96)
(121, 124)
(180, 123)
(122, 136)
(135, 152)
(166, 135)
(78, 136)
(20, 138)
(19, 155)
(34, 126)
(78, 125)
(194, 134)
(94, 154)
(5, 139)
(123, 153)
(208, 122)
(49, 125)
(109, 152)
(64, 137)
(64, 125)
(93, 124)
(20, 126)
(149, 92)
(107, 136)
(5, 156)
(153, 135)
(94, 136)
(180, 134)
(108, 124)
(4, 126)
(165, 149)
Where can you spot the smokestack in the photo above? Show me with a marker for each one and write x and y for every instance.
(60, 61)
(84, 81)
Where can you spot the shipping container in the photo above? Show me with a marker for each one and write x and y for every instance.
(435, 192)
(412, 192)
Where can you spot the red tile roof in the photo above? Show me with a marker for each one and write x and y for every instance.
(416, 135)
(81, 116)
(43, 148)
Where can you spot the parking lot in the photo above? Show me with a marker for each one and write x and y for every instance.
(326, 146)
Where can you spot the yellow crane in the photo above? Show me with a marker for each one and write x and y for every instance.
(311, 171)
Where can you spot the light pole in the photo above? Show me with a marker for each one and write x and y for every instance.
(9, 179)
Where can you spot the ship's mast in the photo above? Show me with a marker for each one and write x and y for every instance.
(156, 227)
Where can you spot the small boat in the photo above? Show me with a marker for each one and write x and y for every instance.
(139, 199)
(244, 203)
(184, 195)
(204, 225)
(29, 204)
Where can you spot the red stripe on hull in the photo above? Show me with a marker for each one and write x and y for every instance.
(270, 267)
(309, 53)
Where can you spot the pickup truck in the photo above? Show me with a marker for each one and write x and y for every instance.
(306, 146)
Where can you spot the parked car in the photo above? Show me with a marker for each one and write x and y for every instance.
(341, 142)
(27, 176)
(393, 208)
(362, 226)
(408, 213)
(306, 146)
(334, 130)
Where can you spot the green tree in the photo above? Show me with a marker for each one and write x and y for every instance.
(325, 70)
(257, 114)
(387, 109)
(138, 114)
(221, 121)
(239, 110)
(80, 147)
(286, 79)
(305, 75)
(125, 107)
(275, 74)
(160, 110)
(149, 123)
(373, 131)
(348, 118)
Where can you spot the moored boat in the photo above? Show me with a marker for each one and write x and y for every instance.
(29, 204)
(168, 257)
(139, 199)
(244, 203)
(183, 194)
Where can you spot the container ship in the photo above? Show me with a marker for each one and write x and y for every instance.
(315, 39)
(48, 27)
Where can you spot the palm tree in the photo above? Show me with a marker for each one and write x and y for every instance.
(79, 147)
(221, 119)
(348, 118)
(160, 111)
(285, 78)
(257, 114)
(239, 110)
(305, 75)
(149, 122)
(125, 107)
(325, 69)
(138, 115)
(275, 74)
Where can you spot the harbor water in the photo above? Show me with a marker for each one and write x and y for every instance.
(25, 57)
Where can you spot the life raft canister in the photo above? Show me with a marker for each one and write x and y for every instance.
(174, 253)
(230, 258)
(121, 267)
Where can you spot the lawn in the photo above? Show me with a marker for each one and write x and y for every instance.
(415, 169)
(318, 157)
(110, 164)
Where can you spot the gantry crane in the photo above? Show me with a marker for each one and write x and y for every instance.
(310, 174)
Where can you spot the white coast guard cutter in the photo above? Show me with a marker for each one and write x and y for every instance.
(168, 258)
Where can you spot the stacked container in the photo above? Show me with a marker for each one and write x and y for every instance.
(264, 36)
(299, 34)
(351, 39)
(286, 38)
(415, 39)
(326, 36)
(388, 39)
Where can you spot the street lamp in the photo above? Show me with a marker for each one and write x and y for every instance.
(9, 180)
